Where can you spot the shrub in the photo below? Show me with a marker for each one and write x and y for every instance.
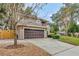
(49, 36)
(69, 34)
(54, 36)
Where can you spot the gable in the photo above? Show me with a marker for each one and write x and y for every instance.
(30, 21)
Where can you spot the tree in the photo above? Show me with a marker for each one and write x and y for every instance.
(54, 28)
(2, 11)
(28, 10)
(3, 15)
(35, 8)
(15, 13)
(71, 10)
(68, 11)
(73, 27)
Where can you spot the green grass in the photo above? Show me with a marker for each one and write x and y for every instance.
(70, 40)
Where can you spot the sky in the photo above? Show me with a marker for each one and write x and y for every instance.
(48, 10)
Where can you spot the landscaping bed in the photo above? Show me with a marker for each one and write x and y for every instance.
(70, 40)
(27, 50)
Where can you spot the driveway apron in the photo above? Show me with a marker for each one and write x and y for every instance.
(52, 46)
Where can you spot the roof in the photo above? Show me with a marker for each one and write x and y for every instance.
(31, 16)
(35, 17)
(44, 27)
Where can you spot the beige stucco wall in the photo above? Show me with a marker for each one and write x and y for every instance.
(20, 33)
(48, 29)
(45, 33)
(30, 21)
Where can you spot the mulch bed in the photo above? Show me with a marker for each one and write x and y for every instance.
(22, 50)
(14, 46)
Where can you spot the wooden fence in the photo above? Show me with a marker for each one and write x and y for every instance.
(7, 34)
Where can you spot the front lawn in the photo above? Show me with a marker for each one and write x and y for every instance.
(70, 40)
(27, 50)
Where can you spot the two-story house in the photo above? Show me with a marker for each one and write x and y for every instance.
(32, 27)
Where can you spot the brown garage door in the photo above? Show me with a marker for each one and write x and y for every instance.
(30, 33)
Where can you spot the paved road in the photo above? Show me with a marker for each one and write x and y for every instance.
(52, 46)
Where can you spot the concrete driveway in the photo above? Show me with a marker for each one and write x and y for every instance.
(52, 46)
(71, 52)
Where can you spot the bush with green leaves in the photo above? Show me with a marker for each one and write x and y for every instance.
(73, 27)
(54, 28)
(54, 36)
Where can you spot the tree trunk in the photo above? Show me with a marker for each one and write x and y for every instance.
(15, 41)
(15, 34)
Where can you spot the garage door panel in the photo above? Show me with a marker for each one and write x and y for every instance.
(30, 33)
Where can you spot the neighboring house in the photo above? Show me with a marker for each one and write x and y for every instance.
(32, 27)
